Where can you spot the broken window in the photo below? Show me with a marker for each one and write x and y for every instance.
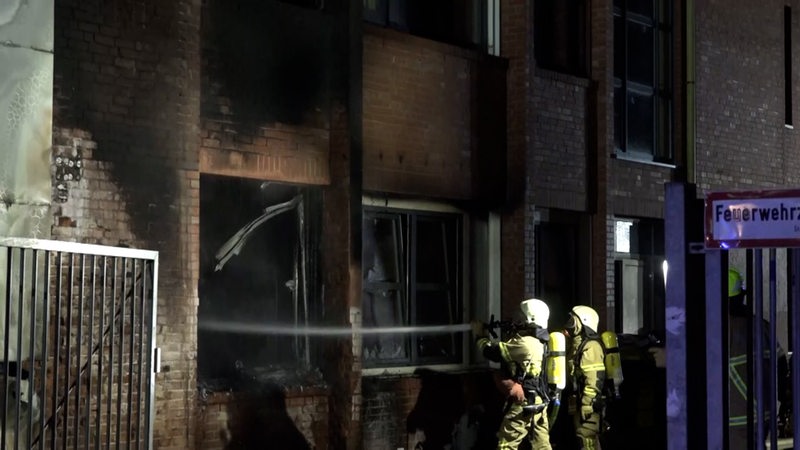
(412, 264)
(258, 245)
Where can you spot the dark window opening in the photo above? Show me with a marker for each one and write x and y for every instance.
(458, 22)
(258, 266)
(562, 262)
(412, 264)
(643, 79)
(560, 35)
(787, 62)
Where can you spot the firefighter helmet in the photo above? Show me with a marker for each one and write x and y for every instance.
(587, 316)
(734, 283)
(536, 311)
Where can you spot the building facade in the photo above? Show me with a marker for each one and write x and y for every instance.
(342, 166)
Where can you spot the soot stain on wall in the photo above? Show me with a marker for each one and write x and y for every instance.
(125, 82)
(270, 59)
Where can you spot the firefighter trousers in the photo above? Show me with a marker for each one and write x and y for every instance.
(588, 431)
(518, 423)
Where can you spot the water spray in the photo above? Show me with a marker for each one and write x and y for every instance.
(287, 330)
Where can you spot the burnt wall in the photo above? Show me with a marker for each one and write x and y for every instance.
(267, 75)
(126, 89)
(431, 410)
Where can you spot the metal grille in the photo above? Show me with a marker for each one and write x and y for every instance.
(77, 326)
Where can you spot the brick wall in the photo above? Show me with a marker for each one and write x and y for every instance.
(418, 105)
(557, 162)
(126, 89)
(265, 104)
(637, 189)
(601, 144)
(741, 139)
(224, 420)
(431, 408)
(515, 37)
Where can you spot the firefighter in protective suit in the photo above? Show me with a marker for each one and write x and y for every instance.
(740, 318)
(586, 366)
(521, 362)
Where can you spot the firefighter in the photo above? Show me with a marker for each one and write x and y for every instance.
(586, 366)
(740, 320)
(521, 359)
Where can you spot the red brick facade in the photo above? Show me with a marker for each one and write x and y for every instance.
(148, 98)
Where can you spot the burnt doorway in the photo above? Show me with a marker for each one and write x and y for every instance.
(258, 265)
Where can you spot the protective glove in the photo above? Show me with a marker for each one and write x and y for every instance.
(478, 329)
(586, 413)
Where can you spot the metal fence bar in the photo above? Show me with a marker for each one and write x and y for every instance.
(139, 387)
(152, 367)
(18, 352)
(131, 344)
(79, 337)
(121, 347)
(56, 351)
(32, 353)
(758, 345)
(6, 335)
(46, 284)
(773, 351)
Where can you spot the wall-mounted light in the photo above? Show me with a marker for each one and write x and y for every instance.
(665, 269)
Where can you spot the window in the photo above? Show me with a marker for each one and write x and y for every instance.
(459, 22)
(560, 35)
(787, 65)
(258, 267)
(412, 276)
(639, 273)
(642, 79)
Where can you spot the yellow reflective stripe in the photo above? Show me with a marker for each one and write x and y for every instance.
(484, 342)
(737, 381)
(593, 367)
(740, 359)
(737, 421)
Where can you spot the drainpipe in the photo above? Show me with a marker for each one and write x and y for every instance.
(689, 51)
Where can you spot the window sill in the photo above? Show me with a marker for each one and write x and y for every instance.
(410, 370)
(642, 160)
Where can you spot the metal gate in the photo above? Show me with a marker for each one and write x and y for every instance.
(703, 375)
(77, 328)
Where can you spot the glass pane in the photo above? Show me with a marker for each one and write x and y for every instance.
(435, 308)
(643, 7)
(640, 123)
(398, 14)
(619, 118)
(640, 53)
(381, 248)
(436, 250)
(376, 11)
(619, 47)
(383, 308)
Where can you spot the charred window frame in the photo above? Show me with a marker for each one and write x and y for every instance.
(457, 22)
(259, 254)
(642, 80)
(560, 35)
(413, 263)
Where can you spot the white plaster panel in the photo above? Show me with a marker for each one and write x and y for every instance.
(27, 23)
(26, 122)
